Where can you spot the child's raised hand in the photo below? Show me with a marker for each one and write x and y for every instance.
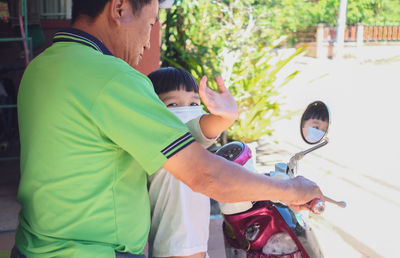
(220, 103)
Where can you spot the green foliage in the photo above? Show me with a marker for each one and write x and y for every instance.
(286, 17)
(256, 91)
(369, 12)
(233, 39)
(189, 45)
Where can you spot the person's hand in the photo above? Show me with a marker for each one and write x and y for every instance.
(220, 103)
(301, 192)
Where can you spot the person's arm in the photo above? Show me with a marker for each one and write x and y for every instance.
(227, 181)
(197, 133)
(222, 107)
(207, 128)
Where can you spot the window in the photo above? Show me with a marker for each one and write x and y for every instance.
(62, 9)
(55, 9)
(166, 4)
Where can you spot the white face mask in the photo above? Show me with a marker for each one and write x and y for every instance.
(314, 135)
(185, 114)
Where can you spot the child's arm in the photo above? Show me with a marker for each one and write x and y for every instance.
(222, 107)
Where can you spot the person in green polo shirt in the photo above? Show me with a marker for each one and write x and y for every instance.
(92, 129)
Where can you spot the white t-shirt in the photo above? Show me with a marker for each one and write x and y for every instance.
(180, 218)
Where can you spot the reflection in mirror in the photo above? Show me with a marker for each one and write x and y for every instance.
(315, 122)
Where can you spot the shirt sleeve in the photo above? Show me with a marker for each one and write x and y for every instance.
(195, 130)
(129, 112)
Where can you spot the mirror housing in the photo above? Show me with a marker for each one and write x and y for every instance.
(315, 122)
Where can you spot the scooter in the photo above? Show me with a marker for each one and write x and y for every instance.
(270, 228)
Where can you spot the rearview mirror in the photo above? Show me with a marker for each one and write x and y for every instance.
(315, 122)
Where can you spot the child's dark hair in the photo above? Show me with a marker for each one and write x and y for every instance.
(171, 78)
(316, 110)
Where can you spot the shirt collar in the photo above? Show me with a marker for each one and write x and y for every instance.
(79, 36)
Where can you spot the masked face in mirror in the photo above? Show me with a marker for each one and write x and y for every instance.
(315, 122)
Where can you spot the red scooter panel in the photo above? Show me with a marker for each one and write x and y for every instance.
(251, 230)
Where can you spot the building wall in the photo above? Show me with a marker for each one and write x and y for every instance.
(151, 57)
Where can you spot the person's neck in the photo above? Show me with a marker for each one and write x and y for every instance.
(95, 28)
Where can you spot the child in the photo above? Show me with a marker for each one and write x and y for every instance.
(315, 122)
(180, 217)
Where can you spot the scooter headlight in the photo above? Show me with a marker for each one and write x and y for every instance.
(280, 244)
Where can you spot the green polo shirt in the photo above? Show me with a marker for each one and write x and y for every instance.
(91, 127)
